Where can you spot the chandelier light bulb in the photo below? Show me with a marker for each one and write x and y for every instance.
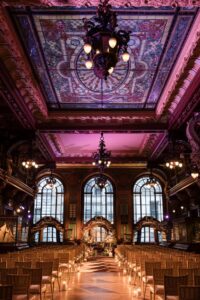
(125, 56)
(94, 164)
(87, 48)
(194, 175)
(111, 70)
(88, 64)
(97, 51)
(180, 165)
(167, 164)
(112, 42)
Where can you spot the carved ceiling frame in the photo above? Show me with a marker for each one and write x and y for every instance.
(117, 3)
(19, 69)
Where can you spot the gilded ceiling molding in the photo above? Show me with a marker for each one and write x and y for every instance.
(26, 121)
(42, 145)
(152, 140)
(185, 70)
(116, 3)
(194, 138)
(182, 116)
(15, 62)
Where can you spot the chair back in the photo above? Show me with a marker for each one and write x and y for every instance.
(190, 273)
(22, 264)
(150, 266)
(196, 279)
(35, 275)
(46, 266)
(172, 284)
(4, 272)
(159, 275)
(189, 293)
(63, 258)
(20, 284)
(3, 264)
(6, 292)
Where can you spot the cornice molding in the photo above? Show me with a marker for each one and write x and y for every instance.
(116, 3)
(15, 182)
(18, 67)
(183, 80)
(14, 100)
(183, 184)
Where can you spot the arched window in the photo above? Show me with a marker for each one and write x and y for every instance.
(147, 201)
(49, 201)
(97, 201)
(147, 235)
(49, 234)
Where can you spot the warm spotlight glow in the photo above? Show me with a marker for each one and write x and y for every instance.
(112, 42)
(125, 56)
(195, 175)
(88, 64)
(87, 48)
(111, 70)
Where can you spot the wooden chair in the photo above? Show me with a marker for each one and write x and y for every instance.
(3, 264)
(6, 292)
(4, 272)
(20, 285)
(190, 273)
(157, 288)
(189, 293)
(47, 277)
(196, 279)
(171, 287)
(147, 278)
(22, 264)
(36, 287)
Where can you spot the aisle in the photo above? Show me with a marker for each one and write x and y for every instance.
(99, 278)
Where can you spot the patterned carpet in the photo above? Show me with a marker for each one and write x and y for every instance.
(100, 264)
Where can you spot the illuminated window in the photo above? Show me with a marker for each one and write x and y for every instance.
(98, 202)
(49, 202)
(147, 201)
(49, 234)
(147, 235)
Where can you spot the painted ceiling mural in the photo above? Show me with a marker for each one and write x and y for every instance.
(53, 40)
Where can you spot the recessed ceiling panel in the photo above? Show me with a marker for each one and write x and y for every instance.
(53, 40)
(83, 145)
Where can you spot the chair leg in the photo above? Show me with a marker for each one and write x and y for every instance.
(145, 288)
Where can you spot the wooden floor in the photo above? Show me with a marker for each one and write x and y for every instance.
(98, 279)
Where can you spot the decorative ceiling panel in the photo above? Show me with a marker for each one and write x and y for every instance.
(83, 144)
(53, 40)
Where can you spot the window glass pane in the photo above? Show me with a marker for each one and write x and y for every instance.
(147, 201)
(98, 202)
(49, 202)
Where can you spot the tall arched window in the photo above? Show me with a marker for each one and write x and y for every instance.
(49, 201)
(147, 201)
(97, 201)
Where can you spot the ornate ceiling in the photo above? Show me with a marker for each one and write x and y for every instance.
(53, 39)
(44, 82)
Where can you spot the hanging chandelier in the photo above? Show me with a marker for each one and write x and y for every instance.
(194, 172)
(151, 181)
(101, 159)
(29, 164)
(50, 182)
(104, 45)
(174, 160)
